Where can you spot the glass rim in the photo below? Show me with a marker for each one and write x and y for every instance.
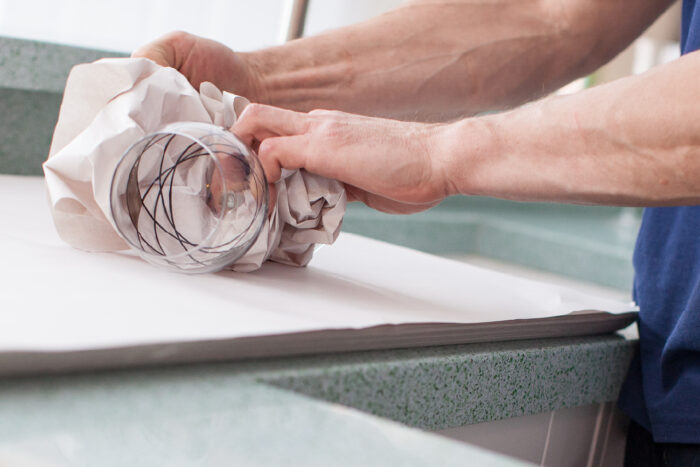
(219, 219)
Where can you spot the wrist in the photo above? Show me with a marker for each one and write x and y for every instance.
(463, 150)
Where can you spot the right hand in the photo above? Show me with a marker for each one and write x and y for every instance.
(392, 166)
(201, 59)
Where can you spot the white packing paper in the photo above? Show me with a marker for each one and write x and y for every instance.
(55, 298)
(110, 104)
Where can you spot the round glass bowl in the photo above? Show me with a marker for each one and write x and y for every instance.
(190, 197)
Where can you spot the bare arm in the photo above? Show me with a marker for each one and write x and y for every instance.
(635, 141)
(430, 60)
(440, 59)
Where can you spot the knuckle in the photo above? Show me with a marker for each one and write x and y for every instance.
(174, 38)
(328, 128)
(319, 112)
(253, 110)
(177, 35)
(327, 113)
(328, 123)
(267, 148)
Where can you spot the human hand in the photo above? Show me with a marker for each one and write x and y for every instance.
(391, 166)
(201, 59)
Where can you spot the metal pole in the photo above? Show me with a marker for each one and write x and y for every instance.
(297, 18)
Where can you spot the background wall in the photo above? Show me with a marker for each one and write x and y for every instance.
(124, 25)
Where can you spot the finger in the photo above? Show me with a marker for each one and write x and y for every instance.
(350, 194)
(383, 204)
(259, 122)
(282, 152)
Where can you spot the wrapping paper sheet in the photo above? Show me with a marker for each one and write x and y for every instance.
(110, 104)
(359, 294)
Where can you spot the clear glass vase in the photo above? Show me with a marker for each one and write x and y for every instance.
(190, 197)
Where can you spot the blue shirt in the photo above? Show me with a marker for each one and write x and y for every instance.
(662, 391)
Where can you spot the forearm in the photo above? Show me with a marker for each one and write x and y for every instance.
(437, 60)
(632, 142)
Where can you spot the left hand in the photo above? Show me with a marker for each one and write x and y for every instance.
(389, 165)
(200, 59)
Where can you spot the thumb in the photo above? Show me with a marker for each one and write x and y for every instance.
(158, 54)
(160, 51)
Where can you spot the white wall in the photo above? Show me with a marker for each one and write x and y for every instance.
(125, 24)
(328, 14)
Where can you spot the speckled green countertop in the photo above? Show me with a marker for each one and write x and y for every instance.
(32, 77)
(443, 387)
(201, 417)
(230, 413)
(590, 243)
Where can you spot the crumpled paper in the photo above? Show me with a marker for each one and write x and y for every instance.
(110, 104)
